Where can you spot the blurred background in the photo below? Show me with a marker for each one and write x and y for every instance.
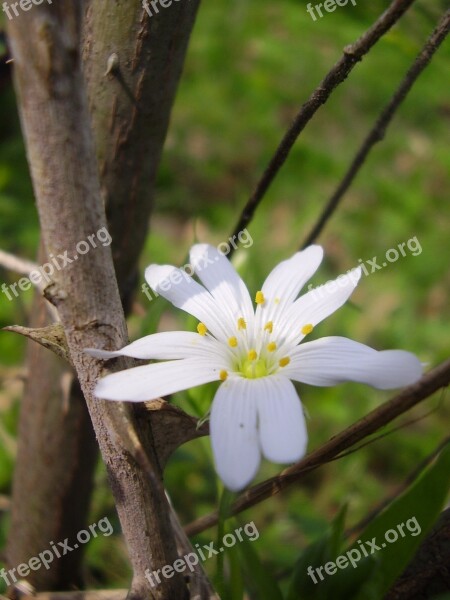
(250, 65)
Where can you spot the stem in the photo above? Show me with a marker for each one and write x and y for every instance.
(352, 54)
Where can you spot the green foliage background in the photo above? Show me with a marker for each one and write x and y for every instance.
(251, 64)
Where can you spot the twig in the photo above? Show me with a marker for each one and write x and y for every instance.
(406, 483)
(378, 131)
(387, 412)
(25, 267)
(352, 54)
(16, 264)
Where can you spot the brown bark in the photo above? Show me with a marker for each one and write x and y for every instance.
(55, 120)
(428, 575)
(54, 464)
(50, 502)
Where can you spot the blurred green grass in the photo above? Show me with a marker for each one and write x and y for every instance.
(249, 67)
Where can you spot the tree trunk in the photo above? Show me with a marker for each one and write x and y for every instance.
(50, 502)
(56, 124)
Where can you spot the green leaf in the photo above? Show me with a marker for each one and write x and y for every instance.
(226, 500)
(316, 555)
(260, 580)
(236, 583)
(406, 521)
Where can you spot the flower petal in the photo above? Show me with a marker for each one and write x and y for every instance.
(223, 282)
(314, 306)
(166, 345)
(234, 438)
(283, 285)
(176, 286)
(287, 279)
(282, 428)
(153, 381)
(333, 360)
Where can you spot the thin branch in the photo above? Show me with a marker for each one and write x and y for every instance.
(353, 53)
(25, 267)
(431, 382)
(16, 264)
(378, 131)
(405, 484)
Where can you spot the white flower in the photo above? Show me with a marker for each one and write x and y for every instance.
(255, 353)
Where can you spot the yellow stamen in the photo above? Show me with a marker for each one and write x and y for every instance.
(241, 323)
(307, 329)
(268, 326)
(202, 329)
(284, 361)
(252, 355)
(223, 375)
(232, 342)
(259, 298)
(271, 347)
(277, 301)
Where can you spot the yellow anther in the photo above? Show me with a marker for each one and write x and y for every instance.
(259, 298)
(277, 300)
(252, 355)
(232, 341)
(284, 361)
(268, 326)
(223, 375)
(307, 329)
(202, 329)
(241, 323)
(271, 347)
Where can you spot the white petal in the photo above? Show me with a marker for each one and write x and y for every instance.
(234, 438)
(282, 429)
(183, 292)
(332, 360)
(221, 279)
(153, 381)
(317, 304)
(285, 281)
(166, 345)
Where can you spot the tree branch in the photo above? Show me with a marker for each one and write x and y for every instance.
(378, 131)
(362, 524)
(352, 54)
(17, 264)
(431, 382)
(53, 106)
(129, 138)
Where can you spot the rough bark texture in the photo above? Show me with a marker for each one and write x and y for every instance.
(428, 575)
(54, 465)
(55, 120)
(50, 502)
(133, 63)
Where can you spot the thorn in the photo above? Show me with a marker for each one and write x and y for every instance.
(113, 70)
(112, 65)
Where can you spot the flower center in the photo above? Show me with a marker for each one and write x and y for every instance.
(252, 369)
